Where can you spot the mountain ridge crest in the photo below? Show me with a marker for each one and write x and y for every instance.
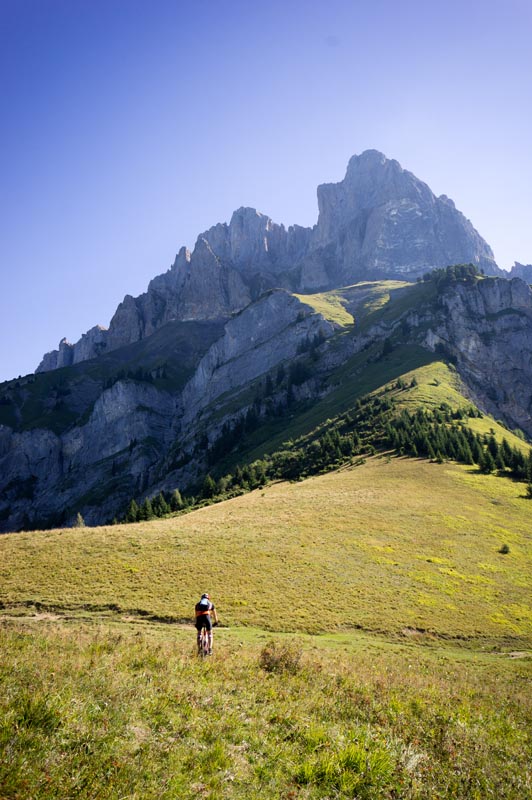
(379, 222)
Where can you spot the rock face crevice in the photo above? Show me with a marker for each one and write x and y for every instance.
(379, 222)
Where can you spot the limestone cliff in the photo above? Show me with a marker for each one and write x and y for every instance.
(487, 329)
(382, 222)
(125, 441)
(93, 445)
(262, 336)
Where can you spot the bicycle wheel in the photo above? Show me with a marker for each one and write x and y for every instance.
(204, 643)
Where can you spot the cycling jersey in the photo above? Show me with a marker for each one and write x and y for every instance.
(203, 615)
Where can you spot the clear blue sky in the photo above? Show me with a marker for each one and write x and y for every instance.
(127, 127)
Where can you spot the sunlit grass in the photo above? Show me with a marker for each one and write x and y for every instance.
(437, 383)
(331, 305)
(410, 543)
(356, 303)
(416, 687)
(91, 711)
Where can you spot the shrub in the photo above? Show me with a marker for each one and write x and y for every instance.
(504, 549)
(278, 656)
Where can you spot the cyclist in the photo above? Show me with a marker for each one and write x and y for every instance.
(203, 612)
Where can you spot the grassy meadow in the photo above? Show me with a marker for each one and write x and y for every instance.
(392, 544)
(127, 711)
(375, 643)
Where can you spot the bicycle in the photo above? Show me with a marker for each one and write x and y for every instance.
(203, 645)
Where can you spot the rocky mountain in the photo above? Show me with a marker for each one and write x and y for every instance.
(380, 222)
(150, 415)
(91, 435)
(258, 331)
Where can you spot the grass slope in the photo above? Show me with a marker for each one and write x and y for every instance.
(416, 687)
(406, 544)
(402, 657)
(362, 374)
(425, 381)
(107, 712)
(358, 303)
(355, 308)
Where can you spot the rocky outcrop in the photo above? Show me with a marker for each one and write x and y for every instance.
(252, 243)
(487, 328)
(254, 342)
(379, 222)
(94, 467)
(62, 357)
(523, 271)
(91, 345)
(382, 222)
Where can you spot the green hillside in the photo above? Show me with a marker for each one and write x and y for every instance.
(376, 614)
(399, 667)
(355, 305)
(411, 544)
(368, 397)
(429, 380)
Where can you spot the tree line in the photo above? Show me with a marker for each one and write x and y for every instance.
(437, 435)
(373, 424)
(445, 276)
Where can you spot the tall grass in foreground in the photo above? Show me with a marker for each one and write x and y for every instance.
(103, 712)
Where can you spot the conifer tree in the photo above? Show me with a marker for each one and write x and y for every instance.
(487, 462)
(146, 510)
(506, 451)
(208, 488)
(160, 506)
(476, 451)
(499, 461)
(493, 447)
(132, 514)
(176, 501)
(467, 456)
(529, 468)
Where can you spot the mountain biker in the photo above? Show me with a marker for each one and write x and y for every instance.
(203, 612)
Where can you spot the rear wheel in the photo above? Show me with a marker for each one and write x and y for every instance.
(203, 649)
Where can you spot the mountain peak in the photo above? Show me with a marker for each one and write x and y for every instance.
(383, 221)
(245, 213)
(367, 158)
